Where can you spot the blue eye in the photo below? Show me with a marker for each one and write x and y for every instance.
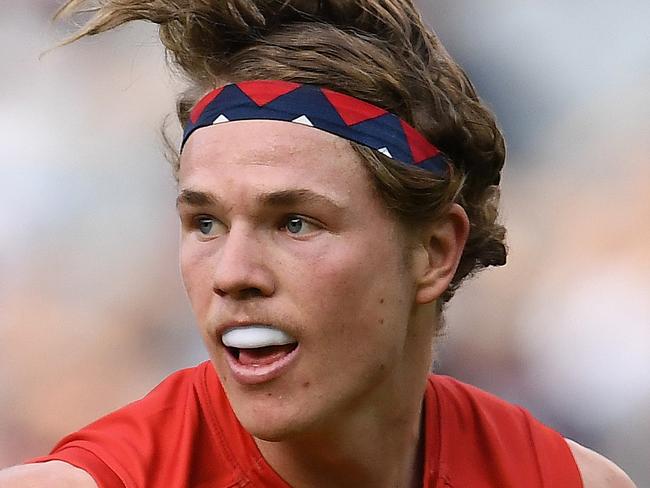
(295, 225)
(299, 226)
(207, 226)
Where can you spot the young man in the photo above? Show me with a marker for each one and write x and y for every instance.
(336, 184)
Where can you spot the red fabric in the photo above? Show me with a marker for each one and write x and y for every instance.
(263, 92)
(420, 147)
(204, 102)
(352, 110)
(184, 434)
(487, 442)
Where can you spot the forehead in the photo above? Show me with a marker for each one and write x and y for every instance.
(271, 155)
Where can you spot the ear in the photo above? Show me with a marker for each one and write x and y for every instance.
(439, 250)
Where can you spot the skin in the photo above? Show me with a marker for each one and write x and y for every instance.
(330, 266)
(597, 471)
(350, 276)
(52, 473)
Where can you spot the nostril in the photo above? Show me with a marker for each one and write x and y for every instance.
(250, 293)
(239, 293)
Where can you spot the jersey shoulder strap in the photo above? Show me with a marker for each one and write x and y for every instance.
(488, 442)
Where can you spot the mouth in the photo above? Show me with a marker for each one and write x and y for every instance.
(260, 356)
(258, 353)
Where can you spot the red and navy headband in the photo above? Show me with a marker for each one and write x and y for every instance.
(323, 109)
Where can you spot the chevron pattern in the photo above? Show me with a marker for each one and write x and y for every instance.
(323, 109)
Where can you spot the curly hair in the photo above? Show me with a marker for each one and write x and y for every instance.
(379, 51)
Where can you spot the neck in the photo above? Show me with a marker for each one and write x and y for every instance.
(355, 453)
(352, 449)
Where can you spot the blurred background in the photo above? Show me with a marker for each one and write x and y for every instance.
(92, 312)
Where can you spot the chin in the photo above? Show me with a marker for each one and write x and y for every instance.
(272, 426)
(275, 414)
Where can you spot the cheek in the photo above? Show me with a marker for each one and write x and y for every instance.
(358, 290)
(357, 308)
(196, 276)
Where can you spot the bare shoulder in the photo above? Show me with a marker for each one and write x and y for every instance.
(597, 471)
(41, 475)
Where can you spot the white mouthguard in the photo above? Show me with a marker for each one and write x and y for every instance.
(254, 336)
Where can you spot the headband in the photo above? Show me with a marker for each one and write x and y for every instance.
(321, 108)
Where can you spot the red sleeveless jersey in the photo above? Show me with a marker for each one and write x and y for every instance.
(185, 434)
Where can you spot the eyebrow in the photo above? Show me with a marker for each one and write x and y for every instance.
(286, 198)
(194, 198)
(281, 198)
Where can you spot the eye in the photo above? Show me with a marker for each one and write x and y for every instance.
(208, 226)
(299, 226)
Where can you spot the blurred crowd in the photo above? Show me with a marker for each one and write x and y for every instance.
(92, 311)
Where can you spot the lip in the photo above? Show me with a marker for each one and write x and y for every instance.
(255, 375)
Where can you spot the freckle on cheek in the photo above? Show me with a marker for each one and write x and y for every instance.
(381, 301)
(306, 384)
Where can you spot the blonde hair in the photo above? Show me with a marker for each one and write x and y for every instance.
(380, 51)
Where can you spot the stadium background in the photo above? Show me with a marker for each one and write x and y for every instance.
(92, 314)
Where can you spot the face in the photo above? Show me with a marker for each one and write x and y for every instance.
(281, 228)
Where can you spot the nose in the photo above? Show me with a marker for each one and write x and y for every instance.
(241, 270)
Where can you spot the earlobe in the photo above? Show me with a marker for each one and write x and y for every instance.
(442, 243)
